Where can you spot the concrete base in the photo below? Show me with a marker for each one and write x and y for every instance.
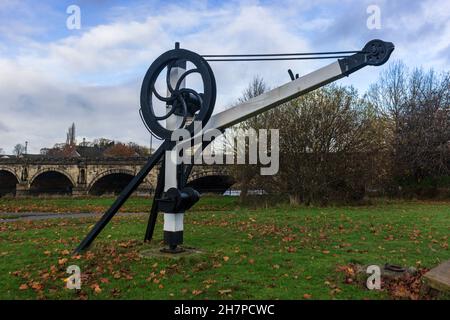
(155, 252)
(439, 278)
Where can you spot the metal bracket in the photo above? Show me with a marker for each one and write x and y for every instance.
(374, 53)
(291, 75)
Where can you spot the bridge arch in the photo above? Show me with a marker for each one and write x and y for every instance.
(51, 181)
(8, 181)
(54, 169)
(10, 171)
(111, 181)
(211, 180)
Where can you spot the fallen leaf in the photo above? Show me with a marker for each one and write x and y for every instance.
(96, 288)
(37, 286)
(225, 291)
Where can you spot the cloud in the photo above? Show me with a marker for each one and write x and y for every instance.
(3, 127)
(93, 79)
(93, 76)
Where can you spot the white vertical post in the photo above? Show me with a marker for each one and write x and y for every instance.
(173, 222)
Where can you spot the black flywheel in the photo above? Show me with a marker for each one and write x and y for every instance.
(182, 101)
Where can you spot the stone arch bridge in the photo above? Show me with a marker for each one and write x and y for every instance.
(31, 175)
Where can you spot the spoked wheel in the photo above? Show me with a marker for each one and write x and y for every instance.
(377, 52)
(183, 102)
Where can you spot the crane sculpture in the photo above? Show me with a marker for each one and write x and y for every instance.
(185, 106)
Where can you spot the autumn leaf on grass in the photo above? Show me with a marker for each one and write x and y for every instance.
(225, 291)
(23, 286)
(53, 269)
(96, 288)
(288, 239)
(226, 258)
(348, 280)
(89, 255)
(197, 292)
(62, 261)
(307, 296)
(104, 280)
(209, 281)
(37, 286)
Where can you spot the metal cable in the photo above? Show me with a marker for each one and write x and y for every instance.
(277, 59)
(279, 54)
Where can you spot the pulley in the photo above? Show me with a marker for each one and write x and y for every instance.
(185, 102)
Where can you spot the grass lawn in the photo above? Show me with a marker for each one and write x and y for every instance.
(96, 204)
(274, 253)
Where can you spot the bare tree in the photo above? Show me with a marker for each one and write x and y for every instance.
(328, 148)
(418, 106)
(244, 174)
(103, 142)
(139, 150)
(331, 146)
(71, 133)
(18, 150)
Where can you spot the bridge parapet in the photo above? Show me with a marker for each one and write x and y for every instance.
(82, 176)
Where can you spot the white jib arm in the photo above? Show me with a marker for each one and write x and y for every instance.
(275, 97)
